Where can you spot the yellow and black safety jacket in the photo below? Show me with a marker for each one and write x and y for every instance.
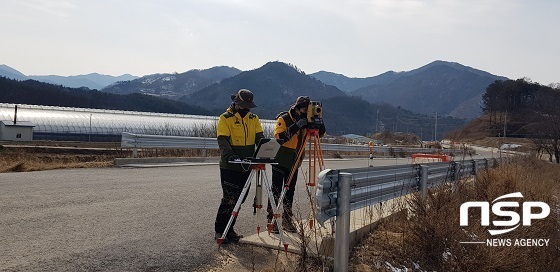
(287, 130)
(237, 136)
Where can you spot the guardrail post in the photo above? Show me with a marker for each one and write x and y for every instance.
(456, 175)
(475, 168)
(342, 235)
(135, 152)
(494, 163)
(424, 181)
(204, 149)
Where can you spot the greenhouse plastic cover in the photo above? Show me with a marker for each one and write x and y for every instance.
(66, 120)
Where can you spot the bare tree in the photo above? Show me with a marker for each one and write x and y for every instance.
(547, 124)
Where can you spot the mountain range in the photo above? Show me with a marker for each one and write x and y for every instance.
(403, 101)
(173, 86)
(276, 85)
(342, 114)
(91, 81)
(447, 88)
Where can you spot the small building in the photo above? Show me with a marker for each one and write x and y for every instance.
(20, 131)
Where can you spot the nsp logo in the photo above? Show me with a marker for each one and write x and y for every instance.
(498, 209)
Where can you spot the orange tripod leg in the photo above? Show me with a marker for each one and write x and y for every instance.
(292, 173)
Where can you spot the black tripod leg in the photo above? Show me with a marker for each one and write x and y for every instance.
(237, 206)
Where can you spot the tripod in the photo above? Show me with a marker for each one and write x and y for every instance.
(315, 154)
(258, 172)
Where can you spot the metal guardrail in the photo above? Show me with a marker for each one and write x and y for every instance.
(130, 140)
(341, 191)
(373, 185)
(137, 141)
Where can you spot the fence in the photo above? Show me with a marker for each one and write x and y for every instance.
(341, 191)
(137, 141)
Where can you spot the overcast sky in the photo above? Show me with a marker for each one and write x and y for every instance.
(357, 38)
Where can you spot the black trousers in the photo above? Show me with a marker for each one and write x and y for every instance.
(232, 185)
(280, 177)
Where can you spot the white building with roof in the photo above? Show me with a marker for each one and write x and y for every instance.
(19, 131)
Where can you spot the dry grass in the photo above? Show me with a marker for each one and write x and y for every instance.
(474, 130)
(526, 144)
(429, 239)
(46, 155)
(23, 162)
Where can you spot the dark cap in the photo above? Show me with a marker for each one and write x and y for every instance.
(244, 99)
(302, 101)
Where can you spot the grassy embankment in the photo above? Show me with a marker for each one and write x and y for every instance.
(428, 238)
(46, 155)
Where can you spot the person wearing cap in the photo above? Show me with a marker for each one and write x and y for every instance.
(291, 126)
(238, 131)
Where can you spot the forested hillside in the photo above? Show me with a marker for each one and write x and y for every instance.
(348, 114)
(522, 109)
(173, 86)
(276, 85)
(39, 93)
(444, 87)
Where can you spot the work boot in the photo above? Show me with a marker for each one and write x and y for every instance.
(289, 226)
(233, 237)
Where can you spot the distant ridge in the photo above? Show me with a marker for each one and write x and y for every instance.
(347, 84)
(276, 85)
(173, 86)
(12, 73)
(448, 88)
(33, 92)
(92, 81)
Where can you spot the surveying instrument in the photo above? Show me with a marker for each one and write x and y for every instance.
(315, 155)
(258, 174)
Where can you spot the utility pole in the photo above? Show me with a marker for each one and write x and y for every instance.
(377, 121)
(395, 124)
(435, 129)
(505, 124)
(89, 135)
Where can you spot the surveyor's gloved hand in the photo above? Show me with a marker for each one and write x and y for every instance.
(302, 122)
(295, 127)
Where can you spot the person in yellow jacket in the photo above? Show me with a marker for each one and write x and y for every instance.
(291, 126)
(238, 131)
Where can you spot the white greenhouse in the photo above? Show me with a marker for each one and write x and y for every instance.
(80, 124)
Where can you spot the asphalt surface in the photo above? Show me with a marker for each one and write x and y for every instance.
(121, 219)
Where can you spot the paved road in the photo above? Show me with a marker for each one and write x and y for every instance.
(119, 219)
